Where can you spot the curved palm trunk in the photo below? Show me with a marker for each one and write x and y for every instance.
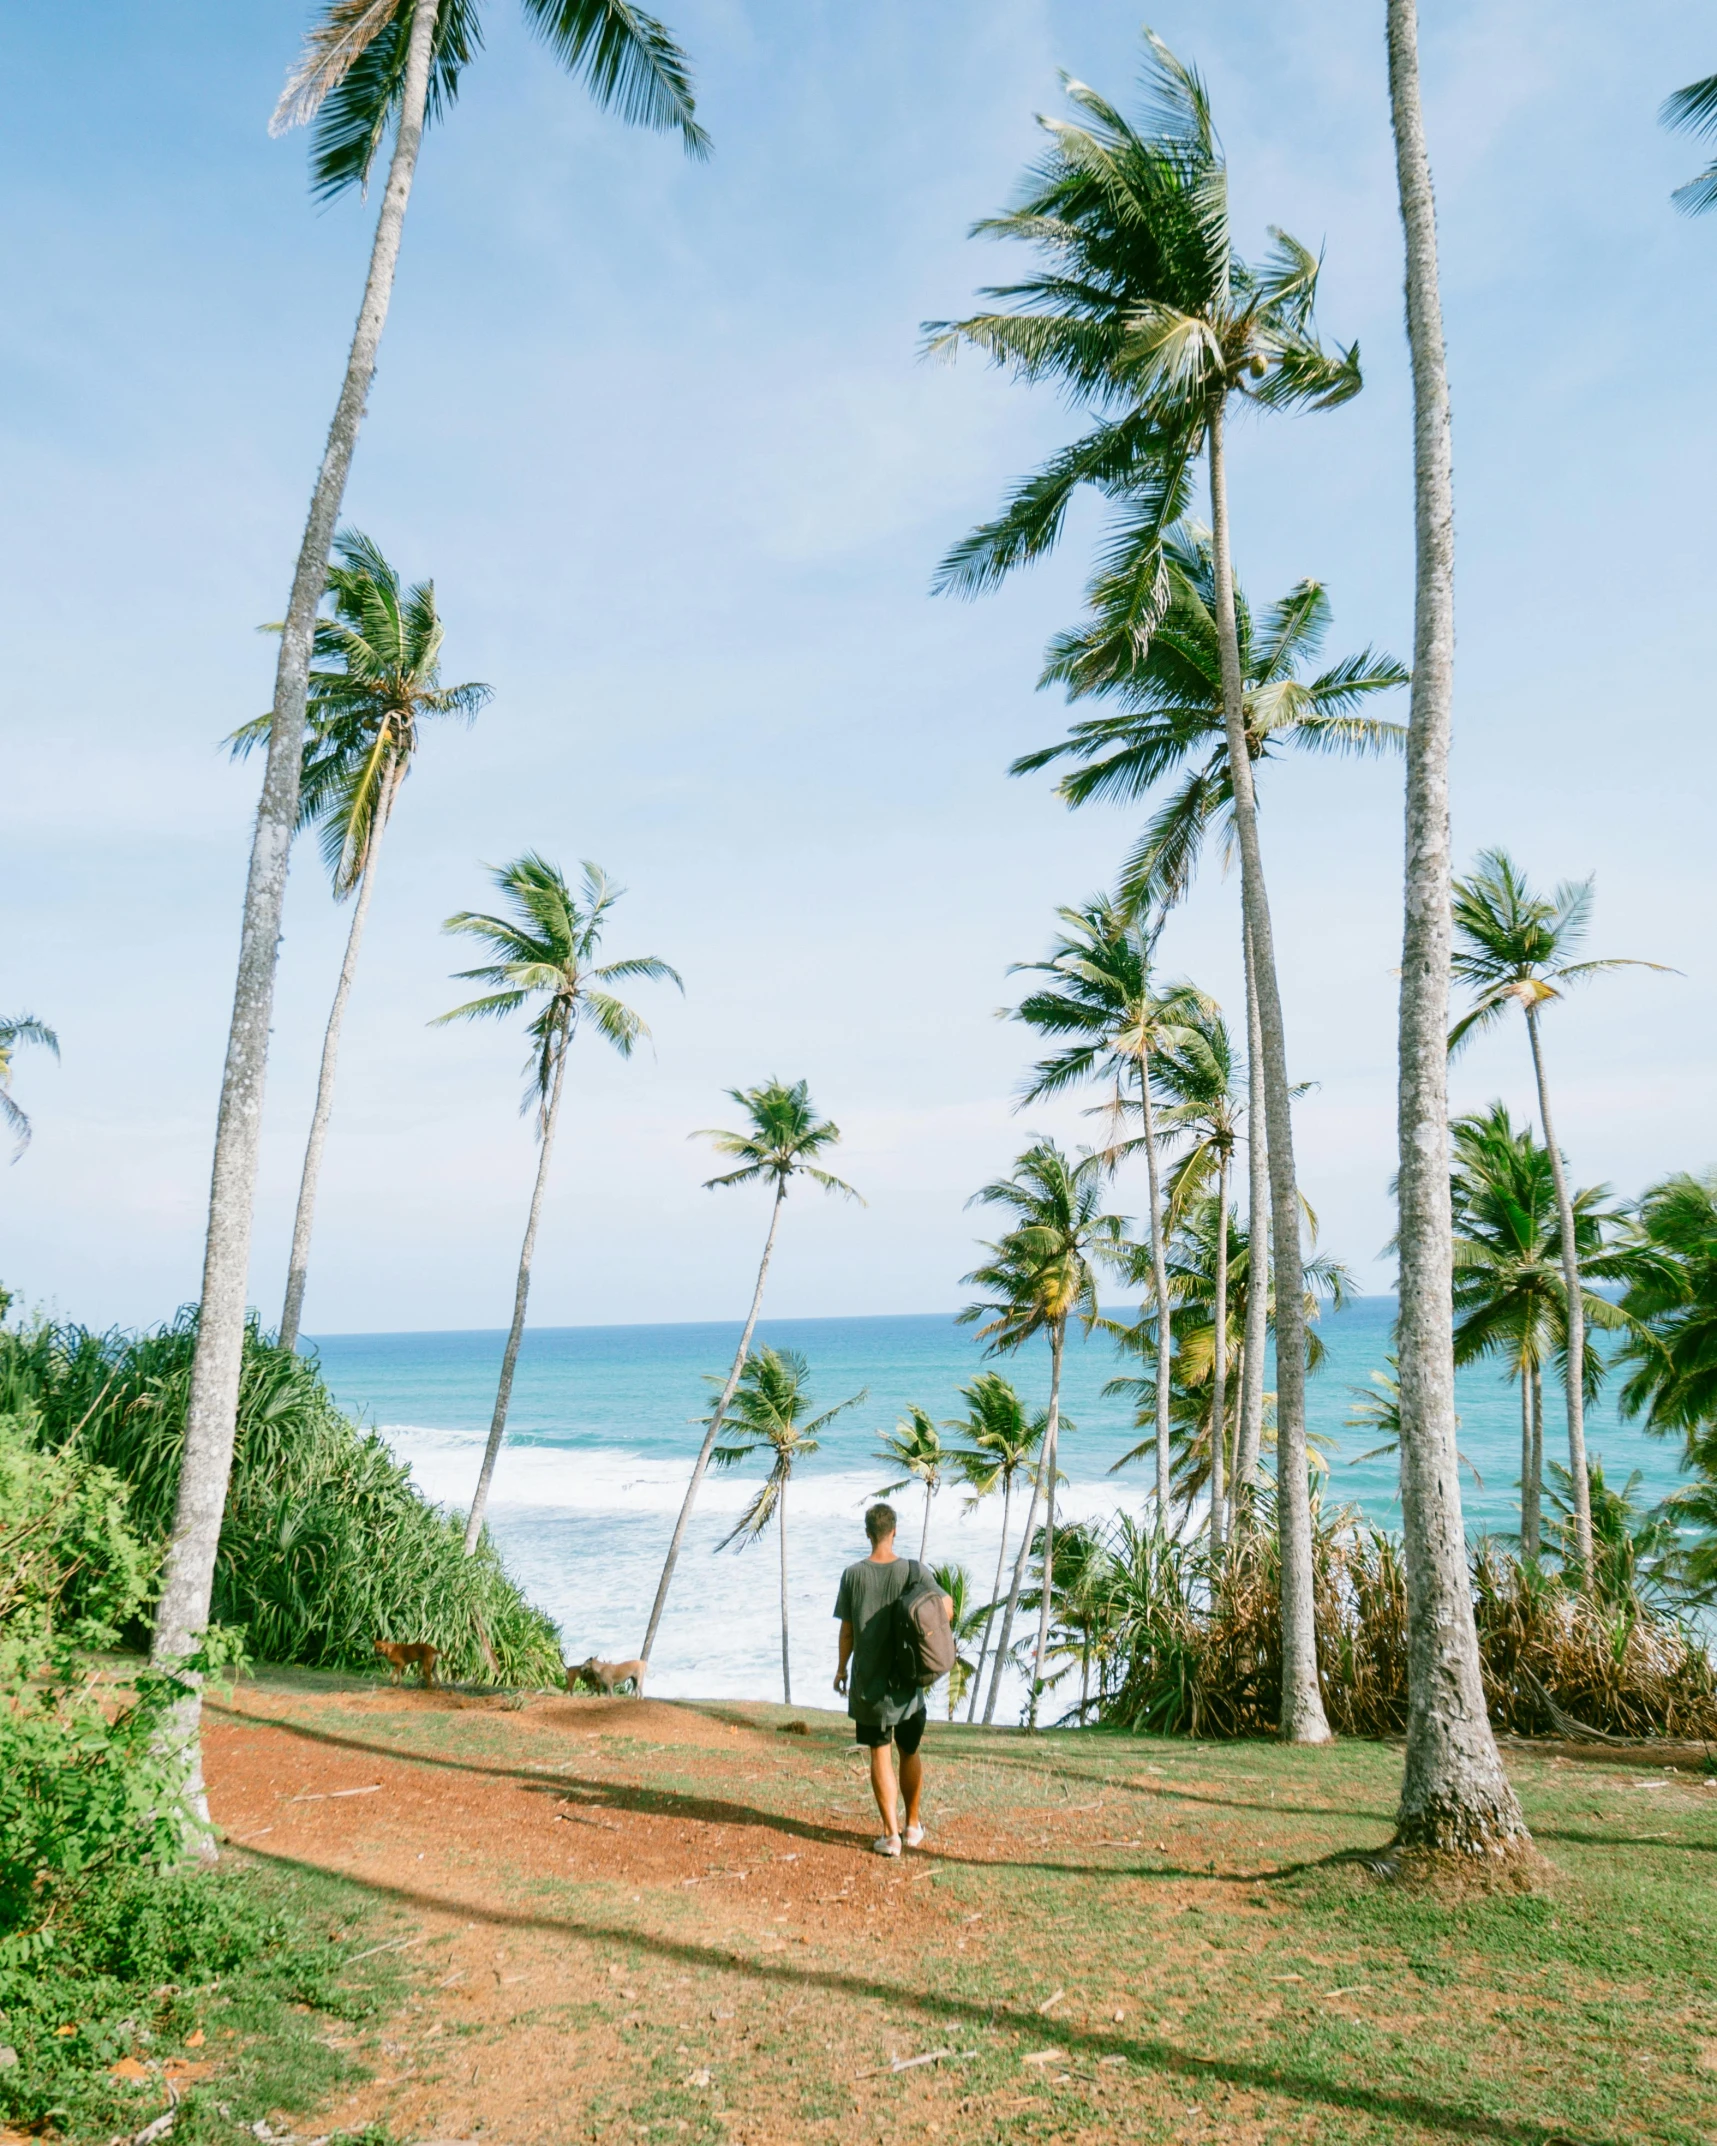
(786, 1650)
(1575, 1379)
(304, 1220)
(1045, 1464)
(1256, 1339)
(924, 1532)
(1454, 1793)
(1219, 1359)
(712, 1431)
(995, 1596)
(212, 1410)
(1057, 1342)
(1303, 1720)
(1160, 1287)
(521, 1294)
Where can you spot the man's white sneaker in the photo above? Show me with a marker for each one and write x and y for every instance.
(913, 1836)
(888, 1845)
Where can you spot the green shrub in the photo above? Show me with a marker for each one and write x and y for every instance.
(326, 1545)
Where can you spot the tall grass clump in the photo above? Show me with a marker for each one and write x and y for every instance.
(1190, 1643)
(326, 1545)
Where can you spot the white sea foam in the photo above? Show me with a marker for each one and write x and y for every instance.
(583, 1529)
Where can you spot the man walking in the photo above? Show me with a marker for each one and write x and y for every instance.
(885, 1712)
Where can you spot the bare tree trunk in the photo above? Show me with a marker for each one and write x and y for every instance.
(1160, 1288)
(1256, 1339)
(1575, 1378)
(786, 1652)
(516, 1332)
(924, 1533)
(1057, 1342)
(1045, 1465)
(1219, 1359)
(304, 1221)
(1534, 1528)
(712, 1429)
(1525, 1458)
(995, 1593)
(1303, 1720)
(211, 1413)
(1454, 1795)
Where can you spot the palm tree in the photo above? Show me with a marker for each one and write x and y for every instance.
(1002, 1443)
(368, 65)
(379, 677)
(768, 1407)
(1509, 950)
(1509, 1293)
(969, 1619)
(1037, 1278)
(915, 1444)
(544, 954)
(1454, 1793)
(1146, 315)
(1671, 1304)
(1196, 1260)
(784, 1137)
(1167, 713)
(1693, 110)
(1102, 1007)
(21, 1028)
(1197, 1076)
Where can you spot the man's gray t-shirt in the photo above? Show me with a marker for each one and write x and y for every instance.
(868, 1593)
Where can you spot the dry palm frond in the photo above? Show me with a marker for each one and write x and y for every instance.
(340, 39)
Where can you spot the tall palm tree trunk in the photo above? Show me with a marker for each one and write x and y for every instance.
(212, 1410)
(1160, 1288)
(924, 1532)
(1532, 1523)
(1250, 1439)
(786, 1650)
(1057, 1342)
(304, 1220)
(1219, 1359)
(1303, 1720)
(1045, 1465)
(521, 1295)
(1525, 1458)
(995, 1596)
(1575, 1379)
(1454, 1793)
(713, 1430)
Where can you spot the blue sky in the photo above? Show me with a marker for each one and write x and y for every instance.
(662, 436)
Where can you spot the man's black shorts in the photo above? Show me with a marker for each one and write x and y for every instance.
(907, 1735)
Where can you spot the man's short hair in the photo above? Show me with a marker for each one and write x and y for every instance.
(880, 1523)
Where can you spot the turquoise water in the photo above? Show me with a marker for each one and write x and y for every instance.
(603, 1429)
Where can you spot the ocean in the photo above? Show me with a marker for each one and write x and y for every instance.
(604, 1427)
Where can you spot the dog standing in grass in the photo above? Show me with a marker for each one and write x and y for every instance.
(608, 1674)
(411, 1654)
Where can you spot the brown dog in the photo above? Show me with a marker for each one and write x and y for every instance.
(608, 1675)
(411, 1654)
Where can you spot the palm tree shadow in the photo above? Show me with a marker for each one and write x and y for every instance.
(1149, 2052)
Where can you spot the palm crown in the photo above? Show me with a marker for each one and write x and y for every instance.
(377, 675)
(1039, 1275)
(350, 77)
(1145, 314)
(20, 1028)
(1693, 110)
(915, 1444)
(1510, 943)
(1199, 1108)
(768, 1409)
(785, 1133)
(1169, 707)
(546, 951)
(1003, 1438)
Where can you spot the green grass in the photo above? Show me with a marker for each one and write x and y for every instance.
(258, 1964)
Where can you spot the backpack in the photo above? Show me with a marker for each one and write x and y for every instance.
(921, 1638)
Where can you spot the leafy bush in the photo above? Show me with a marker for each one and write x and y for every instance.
(1188, 1645)
(326, 1545)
